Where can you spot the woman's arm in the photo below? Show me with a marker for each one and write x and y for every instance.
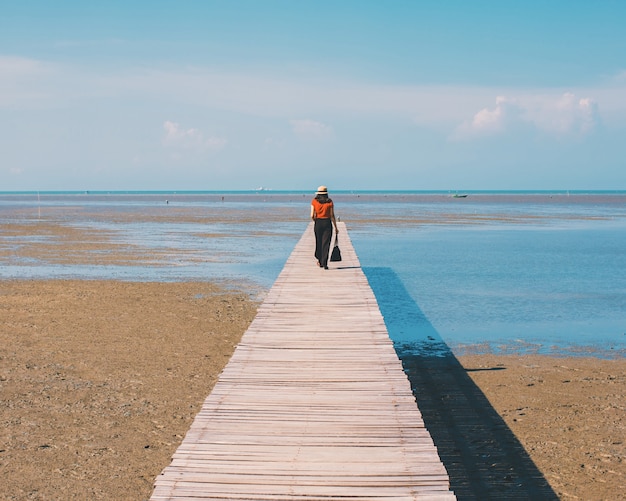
(312, 212)
(332, 217)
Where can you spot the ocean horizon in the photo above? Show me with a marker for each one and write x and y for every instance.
(556, 191)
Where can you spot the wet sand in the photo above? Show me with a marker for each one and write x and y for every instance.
(100, 381)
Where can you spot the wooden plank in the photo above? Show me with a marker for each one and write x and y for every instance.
(313, 403)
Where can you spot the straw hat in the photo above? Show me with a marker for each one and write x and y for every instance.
(321, 190)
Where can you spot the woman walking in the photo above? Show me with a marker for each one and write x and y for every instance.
(323, 214)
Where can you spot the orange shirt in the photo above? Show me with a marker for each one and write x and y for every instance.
(322, 211)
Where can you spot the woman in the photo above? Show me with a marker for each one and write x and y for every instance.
(323, 214)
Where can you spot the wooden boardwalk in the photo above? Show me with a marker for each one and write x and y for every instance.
(313, 405)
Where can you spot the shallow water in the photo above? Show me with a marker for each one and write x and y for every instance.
(531, 290)
(495, 272)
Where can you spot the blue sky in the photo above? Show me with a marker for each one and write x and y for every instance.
(360, 94)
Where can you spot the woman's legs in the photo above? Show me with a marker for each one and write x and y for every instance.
(323, 236)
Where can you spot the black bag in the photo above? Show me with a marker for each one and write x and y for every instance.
(336, 254)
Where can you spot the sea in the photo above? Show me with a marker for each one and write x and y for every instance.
(518, 272)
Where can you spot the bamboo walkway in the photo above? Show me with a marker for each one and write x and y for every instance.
(313, 405)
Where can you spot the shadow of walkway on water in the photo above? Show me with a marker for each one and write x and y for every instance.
(483, 457)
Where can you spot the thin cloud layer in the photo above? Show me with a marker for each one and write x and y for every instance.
(311, 129)
(11, 66)
(21, 81)
(190, 139)
(28, 82)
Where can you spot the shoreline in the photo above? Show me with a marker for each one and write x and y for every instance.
(101, 379)
(217, 245)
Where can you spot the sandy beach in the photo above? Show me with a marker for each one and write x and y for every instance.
(100, 381)
(568, 413)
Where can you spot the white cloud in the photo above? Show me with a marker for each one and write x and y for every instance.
(560, 115)
(311, 129)
(588, 114)
(566, 115)
(495, 120)
(191, 139)
(506, 113)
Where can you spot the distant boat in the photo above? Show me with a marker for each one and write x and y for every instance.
(456, 195)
